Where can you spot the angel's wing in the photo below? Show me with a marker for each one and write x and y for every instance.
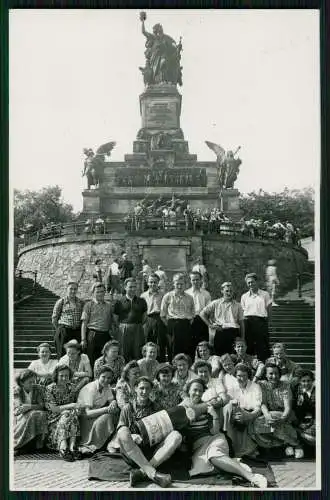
(217, 149)
(105, 149)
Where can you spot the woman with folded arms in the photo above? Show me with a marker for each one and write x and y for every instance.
(30, 422)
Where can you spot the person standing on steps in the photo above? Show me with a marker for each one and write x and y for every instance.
(126, 269)
(66, 318)
(256, 304)
(96, 323)
(272, 280)
(113, 278)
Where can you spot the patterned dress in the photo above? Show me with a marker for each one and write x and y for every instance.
(278, 434)
(166, 397)
(117, 366)
(63, 425)
(304, 407)
(32, 424)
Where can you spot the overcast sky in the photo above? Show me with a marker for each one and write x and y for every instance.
(250, 78)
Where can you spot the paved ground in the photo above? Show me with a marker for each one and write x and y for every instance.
(57, 475)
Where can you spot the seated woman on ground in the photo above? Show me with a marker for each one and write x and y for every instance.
(110, 357)
(203, 352)
(182, 373)
(134, 448)
(274, 427)
(125, 385)
(242, 409)
(149, 364)
(290, 371)
(79, 364)
(30, 422)
(44, 366)
(304, 407)
(166, 393)
(63, 414)
(255, 365)
(99, 421)
(209, 447)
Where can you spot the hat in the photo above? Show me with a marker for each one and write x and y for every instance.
(73, 343)
(164, 367)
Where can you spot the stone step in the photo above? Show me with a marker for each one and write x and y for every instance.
(28, 355)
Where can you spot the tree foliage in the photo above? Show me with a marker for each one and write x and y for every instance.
(34, 209)
(293, 205)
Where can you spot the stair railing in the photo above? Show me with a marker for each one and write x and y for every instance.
(300, 282)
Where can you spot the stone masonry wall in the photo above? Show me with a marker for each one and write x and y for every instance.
(226, 259)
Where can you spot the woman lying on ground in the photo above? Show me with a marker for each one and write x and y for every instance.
(125, 385)
(63, 414)
(290, 370)
(255, 365)
(243, 408)
(166, 393)
(44, 366)
(149, 364)
(110, 357)
(182, 374)
(98, 422)
(208, 446)
(304, 407)
(30, 422)
(204, 353)
(79, 364)
(274, 427)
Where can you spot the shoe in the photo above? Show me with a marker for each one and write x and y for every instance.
(137, 476)
(298, 453)
(163, 480)
(66, 455)
(289, 451)
(77, 455)
(259, 481)
(274, 304)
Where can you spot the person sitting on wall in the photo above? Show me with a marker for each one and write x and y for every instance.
(135, 451)
(66, 318)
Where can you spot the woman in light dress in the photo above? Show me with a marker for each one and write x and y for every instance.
(44, 366)
(78, 362)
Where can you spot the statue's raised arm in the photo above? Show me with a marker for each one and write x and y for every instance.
(162, 56)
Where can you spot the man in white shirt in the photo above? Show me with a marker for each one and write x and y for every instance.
(256, 304)
(113, 278)
(225, 315)
(202, 298)
(154, 328)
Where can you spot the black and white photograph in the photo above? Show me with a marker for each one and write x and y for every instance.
(164, 255)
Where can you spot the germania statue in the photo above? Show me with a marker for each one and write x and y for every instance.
(162, 55)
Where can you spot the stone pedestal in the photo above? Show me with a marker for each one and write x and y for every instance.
(160, 107)
(230, 203)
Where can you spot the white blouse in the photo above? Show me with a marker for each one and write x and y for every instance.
(43, 369)
(249, 398)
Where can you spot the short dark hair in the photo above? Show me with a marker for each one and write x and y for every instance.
(25, 375)
(204, 343)
(106, 369)
(97, 284)
(129, 280)
(154, 276)
(61, 368)
(239, 340)
(270, 364)
(243, 368)
(200, 363)
(129, 366)
(107, 345)
(144, 379)
(198, 380)
(196, 273)
(251, 275)
(306, 373)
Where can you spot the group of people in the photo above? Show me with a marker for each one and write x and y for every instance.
(121, 363)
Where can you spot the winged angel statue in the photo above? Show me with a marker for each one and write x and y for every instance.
(93, 163)
(228, 165)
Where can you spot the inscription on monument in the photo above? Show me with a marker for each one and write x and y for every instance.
(160, 114)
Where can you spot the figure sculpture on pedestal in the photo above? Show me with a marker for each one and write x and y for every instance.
(93, 163)
(228, 165)
(163, 57)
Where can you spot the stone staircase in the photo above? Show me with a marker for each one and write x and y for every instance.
(32, 325)
(293, 323)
